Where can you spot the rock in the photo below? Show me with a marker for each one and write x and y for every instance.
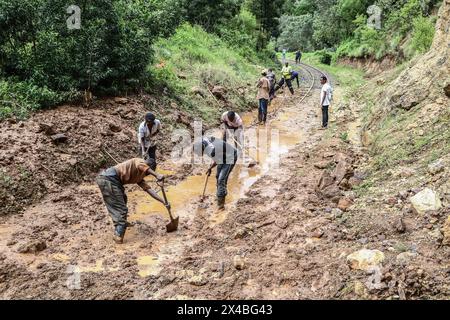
(425, 200)
(317, 234)
(198, 280)
(446, 232)
(337, 213)
(218, 92)
(252, 163)
(344, 204)
(321, 164)
(325, 181)
(114, 127)
(238, 262)
(32, 246)
(359, 288)
(405, 257)
(436, 235)
(447, 90)
(59, 138)
(199, 91)
(400, 226)
(48, 129)
(343, 170)
(436, 167)
(354, 181)
(365, 259)
(345, 184)
(121, 100)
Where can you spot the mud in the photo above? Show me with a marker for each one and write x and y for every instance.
(281, 235)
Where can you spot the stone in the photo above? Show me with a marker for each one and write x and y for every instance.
(199, 91)
(344, 204)
(238, 262)
(447, 90)
(48, 129)
(114, 127)
(219, 92)
(121, 100)
(425, 200)
(436, 235)
(197, 280)
(359, 288)
(405, 257)
(400, 225)
(33, 246)
(354, 181)
(321, 164)
(446, 232)
(343, 169)
(436, 167)
(365, 259)
(337, 213)
(59, 138)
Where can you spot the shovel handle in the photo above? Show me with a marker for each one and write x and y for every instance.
(204, 188)
(165, 199)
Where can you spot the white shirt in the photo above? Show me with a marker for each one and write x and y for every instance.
(144, 132)
(235, 124)
(326, 90)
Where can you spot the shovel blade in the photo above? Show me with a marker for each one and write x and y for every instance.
(172, 225)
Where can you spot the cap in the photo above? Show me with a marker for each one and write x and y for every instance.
(150, 117)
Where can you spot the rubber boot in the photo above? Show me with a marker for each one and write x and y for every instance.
(221, 203)
(119, 234)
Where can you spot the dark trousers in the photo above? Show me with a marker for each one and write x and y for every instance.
(152, 155)
(223, 172)
(325, 116)
(296, 78)
(262, 110)
(115, 200)
(288, 82)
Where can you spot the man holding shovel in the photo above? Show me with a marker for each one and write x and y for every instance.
(148, 129)
(224, 156)
(111, 183)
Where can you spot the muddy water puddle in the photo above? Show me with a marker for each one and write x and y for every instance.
(267, 145)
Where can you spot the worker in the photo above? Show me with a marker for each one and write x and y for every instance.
(224, 156)
(325, 100)
(286, 77)
(273, 80)
(294, 76)
(233, 127)
(111, 183)
(148, 130)
(284, 55)
(298, 56)
(263, 97)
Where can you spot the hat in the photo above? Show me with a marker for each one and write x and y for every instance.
(150, 117)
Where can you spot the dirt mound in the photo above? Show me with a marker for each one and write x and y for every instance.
(57, 147)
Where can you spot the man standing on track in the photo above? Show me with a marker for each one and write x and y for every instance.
(298, 56)
(286, 77)
(263, 97)
(148, 129)
(325, 100)
(273, 80)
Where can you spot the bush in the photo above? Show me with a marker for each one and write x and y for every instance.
(423, 33)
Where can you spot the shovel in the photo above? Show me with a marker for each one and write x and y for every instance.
(173, 224)
(204, 189)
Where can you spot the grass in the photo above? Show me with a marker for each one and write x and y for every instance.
(194, 58)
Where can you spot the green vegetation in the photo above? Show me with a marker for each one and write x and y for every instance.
(43, 62)
(341, 26)
(193, 58)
